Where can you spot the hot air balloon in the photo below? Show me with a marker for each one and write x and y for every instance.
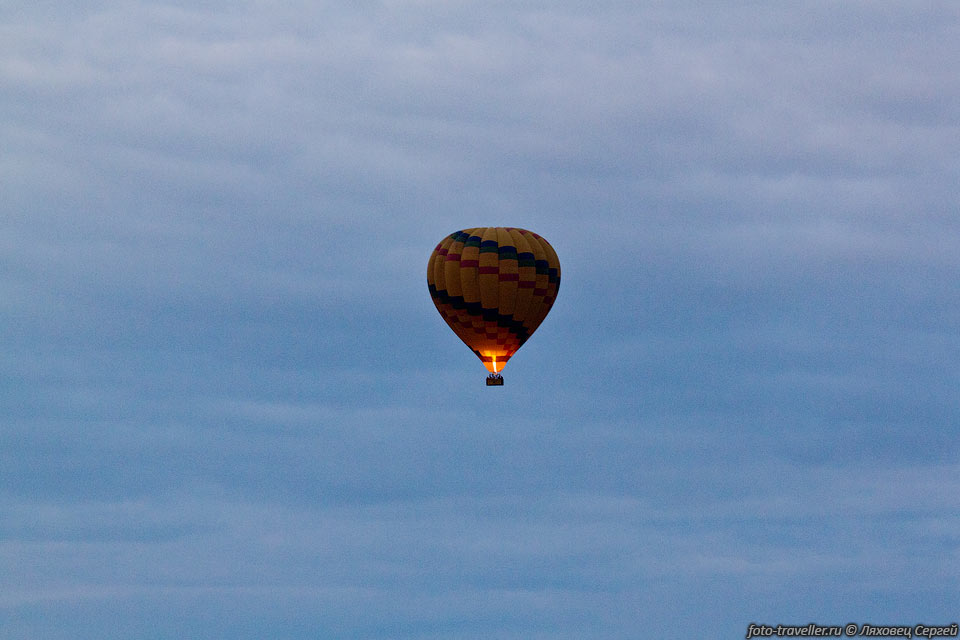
(493, 286)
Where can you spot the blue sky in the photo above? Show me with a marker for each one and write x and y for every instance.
(229, 409)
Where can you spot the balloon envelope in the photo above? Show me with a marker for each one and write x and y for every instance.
(493, 286)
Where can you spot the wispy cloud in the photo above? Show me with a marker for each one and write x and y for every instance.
(224, 390)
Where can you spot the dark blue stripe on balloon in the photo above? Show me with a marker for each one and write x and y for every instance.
(474, 309)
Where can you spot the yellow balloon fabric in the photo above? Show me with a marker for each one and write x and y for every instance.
(493, 286)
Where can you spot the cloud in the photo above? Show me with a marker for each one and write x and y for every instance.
(551, 562)
(224, 390)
